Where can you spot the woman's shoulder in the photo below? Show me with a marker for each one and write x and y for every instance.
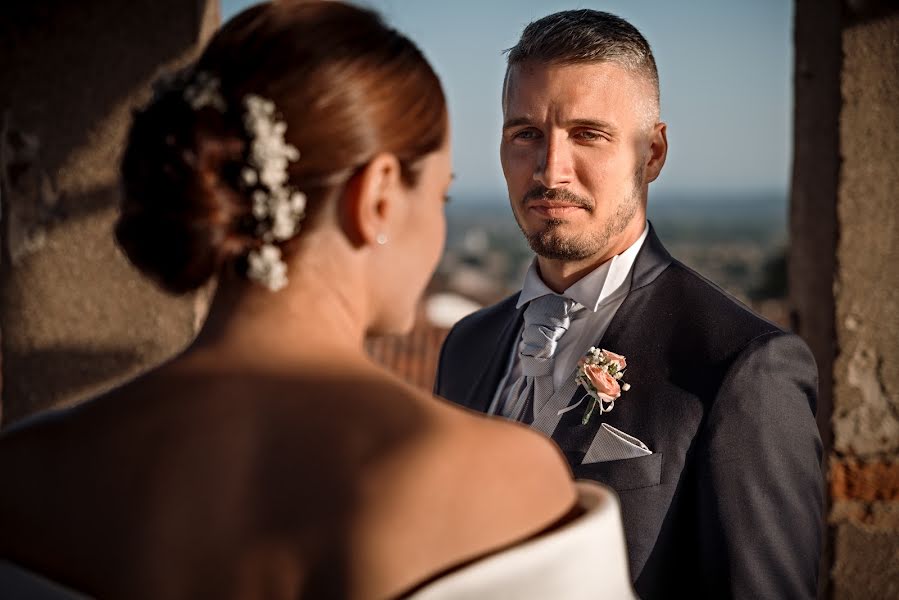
(512, 466)
(464, 487)
(497, 457)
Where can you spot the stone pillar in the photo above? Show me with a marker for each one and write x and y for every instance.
(845, 276)
(813, 205)
(74, 316)
(864, 467)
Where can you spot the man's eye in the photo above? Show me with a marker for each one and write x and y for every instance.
(525, 134)
(589, 136)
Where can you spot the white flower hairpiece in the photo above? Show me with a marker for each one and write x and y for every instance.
(275, 202)
(277, 207)
(267, 268)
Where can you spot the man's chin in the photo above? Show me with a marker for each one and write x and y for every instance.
(553, 246)
(546, 226)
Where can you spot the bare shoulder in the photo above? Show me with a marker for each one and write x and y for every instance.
(516, 464)
(491, 459)
(464, 487)
(508, 480)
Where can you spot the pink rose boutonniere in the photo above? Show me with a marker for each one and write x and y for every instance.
(600, 372)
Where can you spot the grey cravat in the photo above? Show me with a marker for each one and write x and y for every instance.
(546, 319)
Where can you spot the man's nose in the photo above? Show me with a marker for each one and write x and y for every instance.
(555, 165)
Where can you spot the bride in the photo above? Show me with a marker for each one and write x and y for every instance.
(302, 165)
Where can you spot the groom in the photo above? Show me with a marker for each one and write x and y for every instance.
(713, 451)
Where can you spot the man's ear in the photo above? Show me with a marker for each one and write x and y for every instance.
(658, 150)
(370, 200)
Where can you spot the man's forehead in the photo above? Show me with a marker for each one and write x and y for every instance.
(532, 84)
(534, 72)
(574, 80)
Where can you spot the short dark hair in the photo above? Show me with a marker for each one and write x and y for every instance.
(585, 36)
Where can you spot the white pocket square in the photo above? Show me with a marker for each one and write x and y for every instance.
(614, 444)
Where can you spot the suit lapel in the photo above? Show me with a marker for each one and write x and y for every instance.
(482, 392)
(650, 262)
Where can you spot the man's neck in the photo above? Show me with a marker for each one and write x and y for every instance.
(559, 274)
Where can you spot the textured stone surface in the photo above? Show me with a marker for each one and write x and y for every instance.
(844, 276)
(851, 479)
(870, 516)
(866, 407)
(866, 564)
(867, 419)
(864, 473)
(75, 317)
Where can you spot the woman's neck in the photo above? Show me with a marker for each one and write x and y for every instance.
(312, 317)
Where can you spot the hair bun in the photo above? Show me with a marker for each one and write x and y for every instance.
(182, 215)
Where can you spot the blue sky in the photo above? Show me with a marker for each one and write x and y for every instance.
(725, 69)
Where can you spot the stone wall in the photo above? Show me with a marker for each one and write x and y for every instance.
(74, 316)
(864, 465)
(845, 276)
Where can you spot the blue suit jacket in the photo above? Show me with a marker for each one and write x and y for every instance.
(730, 502)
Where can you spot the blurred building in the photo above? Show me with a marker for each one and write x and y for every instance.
(414, 356)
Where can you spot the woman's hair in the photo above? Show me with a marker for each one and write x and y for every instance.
(348, 88)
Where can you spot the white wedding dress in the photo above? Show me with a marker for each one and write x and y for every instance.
(584, 559)
(581, 560)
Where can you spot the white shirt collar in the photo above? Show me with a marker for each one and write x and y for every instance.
(605, 282)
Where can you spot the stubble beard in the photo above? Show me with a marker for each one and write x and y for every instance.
(552, 242)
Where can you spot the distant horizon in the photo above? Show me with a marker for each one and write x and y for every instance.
(663, 196)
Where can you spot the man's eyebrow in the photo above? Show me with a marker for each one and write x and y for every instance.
(592, 123)
(516, 122)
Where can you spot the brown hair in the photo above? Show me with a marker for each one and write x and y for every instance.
(348, 87)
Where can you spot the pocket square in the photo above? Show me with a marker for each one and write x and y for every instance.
(614, 444)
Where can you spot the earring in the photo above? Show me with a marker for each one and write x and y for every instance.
(381, 239)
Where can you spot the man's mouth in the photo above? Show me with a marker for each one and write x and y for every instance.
(553, 209)
(547, 203)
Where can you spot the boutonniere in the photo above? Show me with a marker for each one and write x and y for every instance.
(600, 372)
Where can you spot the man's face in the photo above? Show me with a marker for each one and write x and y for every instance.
(575, 146)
